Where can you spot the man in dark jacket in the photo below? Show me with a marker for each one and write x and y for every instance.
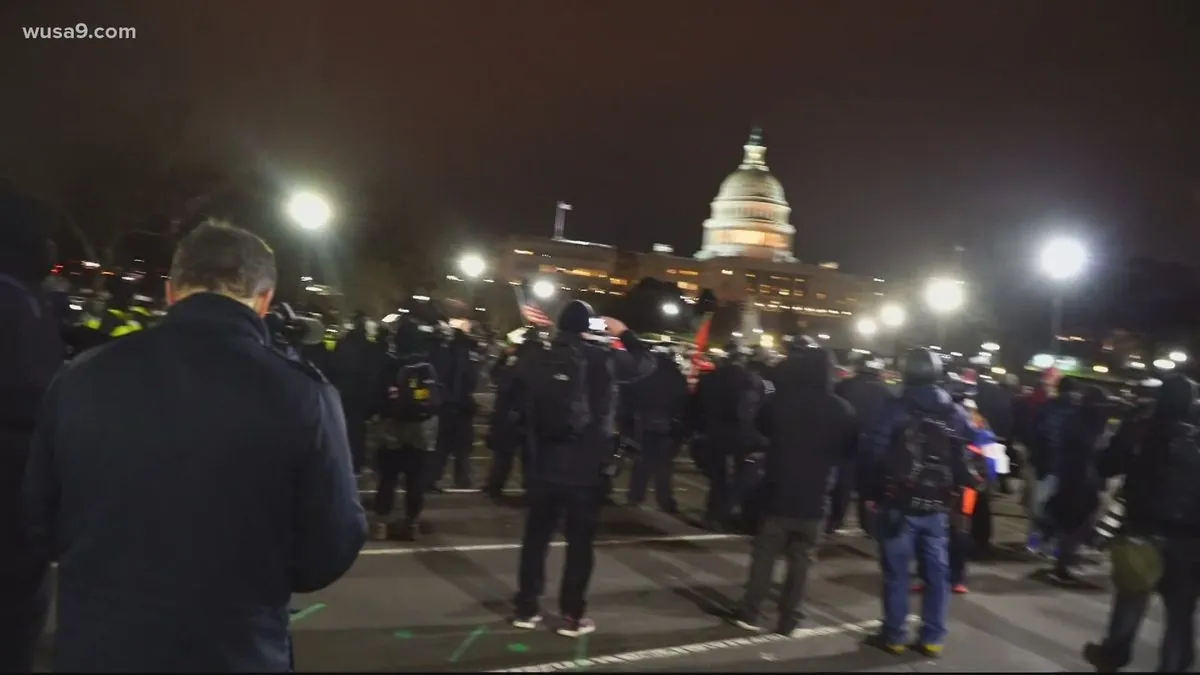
(1047, 448)
(1157, 454)
(905, 525)
(30, 353)
(726, 407)
(657, 404)
(458, 365)
(186, 511)
(811, 432)
(565, 480)
(506, 436)
(866, 393)
(354, 368)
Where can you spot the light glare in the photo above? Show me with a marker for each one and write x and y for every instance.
(1063, 259)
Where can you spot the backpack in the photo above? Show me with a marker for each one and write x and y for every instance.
(560, 406)
(420, 395)
(1180, 500)
(917, 464)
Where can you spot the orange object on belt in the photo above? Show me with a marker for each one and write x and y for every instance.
(968, 501)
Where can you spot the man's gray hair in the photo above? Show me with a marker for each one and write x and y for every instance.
(221, 258)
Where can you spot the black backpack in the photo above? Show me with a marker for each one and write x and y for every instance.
(918, 464)
(1179, 498)
(558, 393)
(420, 395)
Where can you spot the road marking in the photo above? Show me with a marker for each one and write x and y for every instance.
(306, 612)
(695, 648)
(466, 644)
(402, 634)
(481, 548)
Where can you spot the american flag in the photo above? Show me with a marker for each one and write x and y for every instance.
(531, 311)
(533, 314)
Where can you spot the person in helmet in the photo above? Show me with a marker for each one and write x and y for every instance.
(913, 467)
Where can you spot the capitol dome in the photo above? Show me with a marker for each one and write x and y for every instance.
(750, 213)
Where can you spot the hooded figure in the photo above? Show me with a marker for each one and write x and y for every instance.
(31, 352)
(810, 431)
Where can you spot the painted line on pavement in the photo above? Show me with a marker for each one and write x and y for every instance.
(481, 548)
(466, 644)
(306, 612)
(695, 648)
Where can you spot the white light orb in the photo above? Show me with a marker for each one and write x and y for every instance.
(944, 295)
(309, 210)
(1063, 259)
(543, 289)
(866, 327)
(892, 315)
(472, 266)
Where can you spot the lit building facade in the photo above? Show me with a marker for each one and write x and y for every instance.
(746, 259)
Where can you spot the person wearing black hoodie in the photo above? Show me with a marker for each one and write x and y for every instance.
(568, 456)
(353, 368)
(1159, 456)
(1079, 484)
(31, 352)
(810, 432)
(410, 433)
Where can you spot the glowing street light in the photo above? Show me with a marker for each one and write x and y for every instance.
(472, 266)
(670, 309)
(990, 347)
(944, 295)
(1164, 364)
(309, 210)
(1178, 356)
(543, 289)
(1063, 258)
(866, 327)
(892, 315)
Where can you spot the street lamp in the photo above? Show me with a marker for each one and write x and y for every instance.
(1164, 364)
(892, 315)
(472, 266)
(1062, 259)
(944, 296)
(543, 289)
(990, 347)
(1178, 356)
(670, 309)
(309, 210)
(867, 327)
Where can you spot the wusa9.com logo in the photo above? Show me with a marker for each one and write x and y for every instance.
(80, 31)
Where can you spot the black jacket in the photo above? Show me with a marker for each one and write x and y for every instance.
(354, 368)
(579, 463)
(189, 479)
(727, 404)
(1138, 451)
(867, 394)
(31, 352)
(657, 403)
(810, 430)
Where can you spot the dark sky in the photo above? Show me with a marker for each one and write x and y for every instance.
(897, 128)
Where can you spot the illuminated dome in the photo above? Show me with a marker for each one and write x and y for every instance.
(750, 213)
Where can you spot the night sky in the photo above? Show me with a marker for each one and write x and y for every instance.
(897, 128)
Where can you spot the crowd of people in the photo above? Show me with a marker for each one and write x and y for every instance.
(107, 458)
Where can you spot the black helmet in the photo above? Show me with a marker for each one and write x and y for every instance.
(921, 366)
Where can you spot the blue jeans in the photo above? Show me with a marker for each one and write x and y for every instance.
(901, 536)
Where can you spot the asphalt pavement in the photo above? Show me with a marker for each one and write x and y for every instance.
(659, 588)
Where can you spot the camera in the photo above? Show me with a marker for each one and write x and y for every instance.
(290, 331)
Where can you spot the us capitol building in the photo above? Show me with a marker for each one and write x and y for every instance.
(746, 258)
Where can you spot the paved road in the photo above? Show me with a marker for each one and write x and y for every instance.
(440, 604)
